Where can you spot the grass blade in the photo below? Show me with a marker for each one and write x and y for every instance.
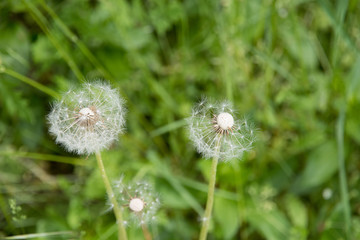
(30, 82)
(37, 235)
(342, 172)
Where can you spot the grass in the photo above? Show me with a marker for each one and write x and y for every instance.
(291, 66)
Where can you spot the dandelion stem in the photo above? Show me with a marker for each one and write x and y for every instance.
(147, 234)
(111, 195)
(210, 197)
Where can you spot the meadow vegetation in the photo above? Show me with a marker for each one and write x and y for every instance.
(291, 67)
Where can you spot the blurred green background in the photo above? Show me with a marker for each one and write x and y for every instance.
(292, 67)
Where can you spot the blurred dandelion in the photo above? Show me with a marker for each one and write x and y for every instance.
(327, 193)
(216, 131)
(89, 119)
(140, 199)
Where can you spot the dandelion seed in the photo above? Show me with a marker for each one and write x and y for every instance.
(215, 123)
(88, 120)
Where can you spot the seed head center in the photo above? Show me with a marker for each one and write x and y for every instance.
(87, 117)
(136, 204)
(225, 120)
(86, 112)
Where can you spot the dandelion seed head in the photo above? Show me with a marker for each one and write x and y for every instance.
(215, 130)
(140, 200)
(327, 193)
(89, 119)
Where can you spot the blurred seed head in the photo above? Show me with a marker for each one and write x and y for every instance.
(327, 193)
(140, 200)
(216, 130)
(88, 119)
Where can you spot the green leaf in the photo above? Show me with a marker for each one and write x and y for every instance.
(273, 224)
(226, 215)
(296, 211)
(320, 166)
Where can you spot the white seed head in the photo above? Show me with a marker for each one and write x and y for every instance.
(225, 120)
(141, 200)
(89, 119)
(215, 130)
(327, 193)
(136, 204)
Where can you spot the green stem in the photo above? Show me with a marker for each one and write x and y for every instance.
(210, 197)
(342, 172)
(111, 195)
(147, 234)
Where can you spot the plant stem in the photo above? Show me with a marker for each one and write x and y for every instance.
(147, 234)
(210, 197)
(111, 195)
(342, 173)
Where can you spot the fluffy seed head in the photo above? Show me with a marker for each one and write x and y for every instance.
(139, 199)
(215, 130)
(88, 119)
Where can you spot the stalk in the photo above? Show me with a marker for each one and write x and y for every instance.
(147, 234)
(117, 210)
(210, 197)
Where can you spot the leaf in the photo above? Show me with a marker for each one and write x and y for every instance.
(320, 166)
(227, 217)
(171, 198)
(299, 44)
(164, 14)
(273, 225)
(296, 211)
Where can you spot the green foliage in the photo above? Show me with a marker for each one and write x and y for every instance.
(291, 66)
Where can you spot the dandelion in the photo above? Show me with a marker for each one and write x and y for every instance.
(140, 200)
(327, 193)
(89, 119)
(218, 133)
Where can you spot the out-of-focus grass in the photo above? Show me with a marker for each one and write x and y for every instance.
(290, 66)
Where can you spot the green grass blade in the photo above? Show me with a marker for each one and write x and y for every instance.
(41, 21)
(46, 157)
(168, 128)
(72, 37)
(163, 171)
(342, 172)
(30, 82)
(37, 235)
